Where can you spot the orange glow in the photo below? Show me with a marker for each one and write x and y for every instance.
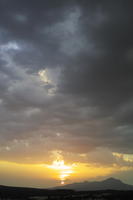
(59, 164)
(43, 175)
(64, 171)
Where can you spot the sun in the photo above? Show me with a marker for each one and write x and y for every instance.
(64, 171)
(62, 182)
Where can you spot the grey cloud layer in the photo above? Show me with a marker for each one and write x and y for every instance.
(88, 47)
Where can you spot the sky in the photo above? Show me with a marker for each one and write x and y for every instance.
(66, 91)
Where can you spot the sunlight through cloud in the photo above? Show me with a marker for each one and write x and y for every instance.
(63, 170)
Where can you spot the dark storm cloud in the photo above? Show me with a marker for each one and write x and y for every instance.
(27, 21)
(104, 77)
(87, 49)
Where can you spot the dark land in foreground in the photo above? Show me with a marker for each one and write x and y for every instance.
(21, 193)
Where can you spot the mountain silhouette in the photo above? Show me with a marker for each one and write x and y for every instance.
(108, 184)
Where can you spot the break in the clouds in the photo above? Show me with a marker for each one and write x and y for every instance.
(66, 80)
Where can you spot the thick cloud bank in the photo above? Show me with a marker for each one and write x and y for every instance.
(66, 78)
